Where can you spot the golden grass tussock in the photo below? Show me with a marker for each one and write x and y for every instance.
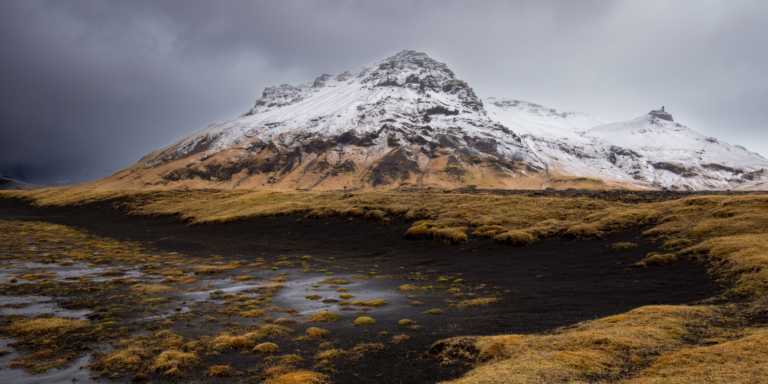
(741, 259)
(317, 332)
(375, 303)
(397, 339)
(375, 215)
(334, 281)
(169, 362)
(362, 349)
(34, 276)
(514, 237)
(322, 317)
(583, 231)
(429, 229)
(604, 348)
(330, 354)
(672, 244)
(266, 348)
(735, 361)
(476, 302)
(407, 288)
(622, 246)
(371, 303)
(271, 330)
(220, 371)
(226, 341)
(213, 270)
(290, 360)
(270, 287)
(151, 289)
(655, 258)
(130, 355)
(488, 230)
(30, 327)
(251, 314)
(352, 212)
(271, 371)
(298, 377)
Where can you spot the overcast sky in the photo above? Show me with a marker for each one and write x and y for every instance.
(95, 85)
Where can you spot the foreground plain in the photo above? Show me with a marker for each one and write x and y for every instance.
(720, 339)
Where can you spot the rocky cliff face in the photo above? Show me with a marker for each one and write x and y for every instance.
(408, 120)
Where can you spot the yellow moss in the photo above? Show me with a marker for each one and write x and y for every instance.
(476, 302)
(323, 317)
(407, 288)
(363, 320)
(317, 332)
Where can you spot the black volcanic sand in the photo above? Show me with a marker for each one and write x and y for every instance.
(541, 286)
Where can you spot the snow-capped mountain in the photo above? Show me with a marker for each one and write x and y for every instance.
(409, 120)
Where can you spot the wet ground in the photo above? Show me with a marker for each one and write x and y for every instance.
(537, 287)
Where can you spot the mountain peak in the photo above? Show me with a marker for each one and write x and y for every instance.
(414, 61)
(661, 114)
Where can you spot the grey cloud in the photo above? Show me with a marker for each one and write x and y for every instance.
(96, 85)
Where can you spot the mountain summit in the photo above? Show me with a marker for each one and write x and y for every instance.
(407, 120)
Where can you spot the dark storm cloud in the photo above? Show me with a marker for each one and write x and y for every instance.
(95, 85)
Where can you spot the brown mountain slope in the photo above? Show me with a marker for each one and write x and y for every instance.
(358, 168)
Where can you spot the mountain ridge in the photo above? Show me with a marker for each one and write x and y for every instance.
(407, 120)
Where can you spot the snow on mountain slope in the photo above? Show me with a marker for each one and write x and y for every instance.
(539, 117)
(668, 154)
(652, 149)
(408, 120)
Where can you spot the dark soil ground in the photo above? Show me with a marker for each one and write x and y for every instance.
(542, 286)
